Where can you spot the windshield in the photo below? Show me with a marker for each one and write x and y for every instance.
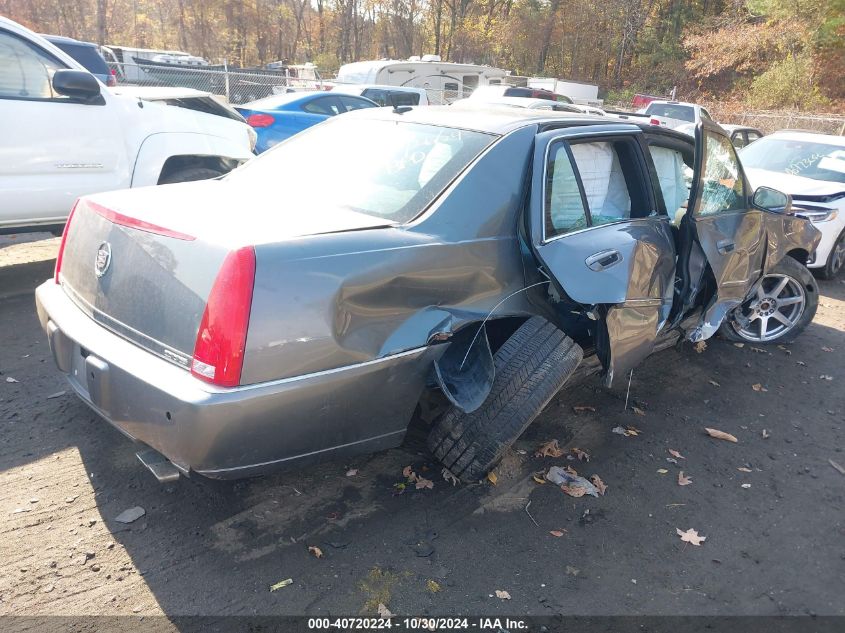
(387, 169)
(810, 159)
(672, 111)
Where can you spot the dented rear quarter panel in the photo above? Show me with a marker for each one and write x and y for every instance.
(328, 301)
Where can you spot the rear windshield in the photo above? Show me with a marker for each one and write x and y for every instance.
(672, 111)
(209, 105)
(386, 169)
(88, 56)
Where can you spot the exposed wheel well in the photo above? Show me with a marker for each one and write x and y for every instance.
(178, 163)
(800, 255)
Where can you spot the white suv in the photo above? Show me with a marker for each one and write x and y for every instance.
(811, 168)
(63, 134)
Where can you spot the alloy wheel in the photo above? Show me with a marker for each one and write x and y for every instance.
(837, 257)
(773, 310)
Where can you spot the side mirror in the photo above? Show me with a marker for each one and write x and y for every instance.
(769, 199)
(76, 84)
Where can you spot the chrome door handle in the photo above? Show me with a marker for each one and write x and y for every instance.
(603, 260)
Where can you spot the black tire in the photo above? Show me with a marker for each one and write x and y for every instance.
(531, 367)
(835, 261)
(189, 175)
(732, 330)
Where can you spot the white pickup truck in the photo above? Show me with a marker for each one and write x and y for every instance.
(63, 134)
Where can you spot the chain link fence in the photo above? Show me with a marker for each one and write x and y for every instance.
(769, 121)
(237, 85)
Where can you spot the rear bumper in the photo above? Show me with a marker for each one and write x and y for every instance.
(239, 432)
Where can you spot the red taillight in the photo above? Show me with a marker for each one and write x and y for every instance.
(221, 339)
(655, 122)
(112, 80)
(260, 120)
(61, 254)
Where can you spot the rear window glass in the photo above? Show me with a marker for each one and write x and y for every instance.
(387, 169)
(88, 56)
(671, 111)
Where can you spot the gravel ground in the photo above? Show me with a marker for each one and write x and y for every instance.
(775, 536)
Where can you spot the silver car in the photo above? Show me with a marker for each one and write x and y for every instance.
(298, 308)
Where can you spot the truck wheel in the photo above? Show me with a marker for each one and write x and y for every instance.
(189, 175)
(835, 261)
(784, 304)
(531, 367)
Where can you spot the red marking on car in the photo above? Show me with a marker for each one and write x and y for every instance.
(61, 254)
(221, 339)
(135, 223)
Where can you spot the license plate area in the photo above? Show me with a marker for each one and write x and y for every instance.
(90, 374)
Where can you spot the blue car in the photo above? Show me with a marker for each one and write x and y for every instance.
(279, 117)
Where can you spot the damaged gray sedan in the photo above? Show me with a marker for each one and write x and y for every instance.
(298, 308)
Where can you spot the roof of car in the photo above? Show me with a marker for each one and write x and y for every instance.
(61, 39)
(817, 137)
(494, 119)
(361, 87)
(733, 127)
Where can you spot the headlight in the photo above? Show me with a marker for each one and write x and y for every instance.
(817, 214)
(252, 135)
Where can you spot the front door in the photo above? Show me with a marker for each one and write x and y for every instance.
(598, 237)
(723, 223)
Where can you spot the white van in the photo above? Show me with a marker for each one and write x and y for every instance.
(444, 81)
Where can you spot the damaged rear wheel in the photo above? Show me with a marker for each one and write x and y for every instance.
(778, 309)
(530, 368)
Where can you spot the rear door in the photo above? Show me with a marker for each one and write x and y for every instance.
(598, 237)
(724, 225)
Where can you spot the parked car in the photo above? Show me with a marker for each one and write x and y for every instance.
(518, 102)
(740, 135)
(672, 114)
(385, 95)
(811, 167)
(67, 135)
(492, 93)
(87, 54)
(233, 329)
(279, 117)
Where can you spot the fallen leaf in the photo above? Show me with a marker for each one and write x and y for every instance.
(745, 486)
(581, 455)
(662, 471)
(10, 379)
(407, 472)
(573, 490)
(549, 449)
(758, 387)
(721, 435)
(492, 478)
(281, 583)
(691, 536)
(599, 484)
(318, 553)
(683, 480)
(503, 595)
(801, 362)
(572, 571)
(827, 349)
(632, 431)
(448, 476)
(422, 482)
(766, 435)
(538, 477)
(837, 466)
(557, 533)
(675, 453)
(714, 383)
(383, 611)
(351, 472)
(583, 409)
(759, 350)
(700, 347)
(638, 411)
(433, 586)
(785, 349)
(826, 377)
(742, 469)
(739, 344)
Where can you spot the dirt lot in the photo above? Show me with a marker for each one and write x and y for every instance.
(775, 535)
